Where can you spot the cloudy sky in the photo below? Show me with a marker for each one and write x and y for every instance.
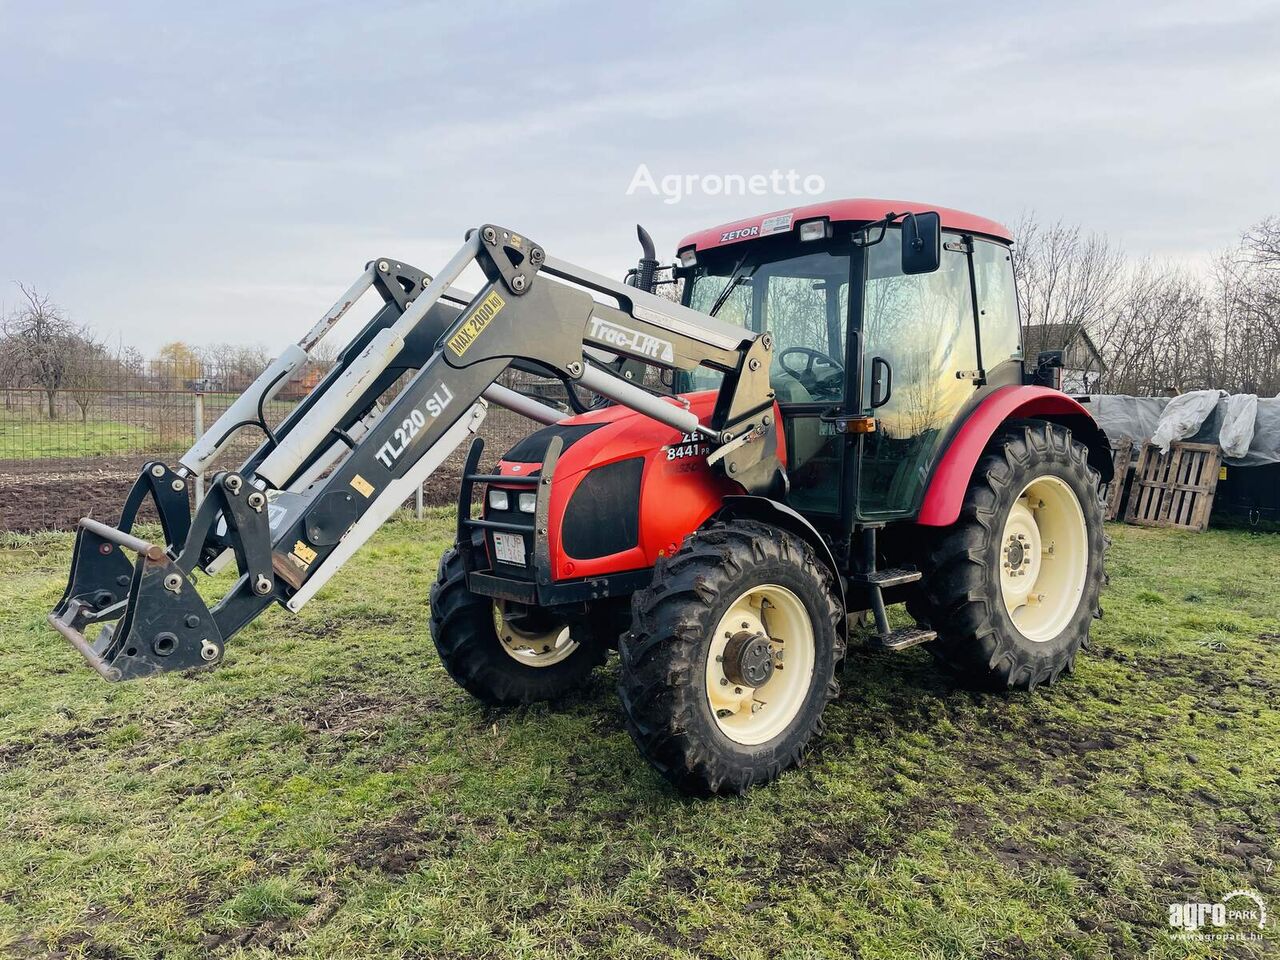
(222, 171)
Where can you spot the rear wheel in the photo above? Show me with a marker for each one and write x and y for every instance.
(507, 653)
(1013, 586)
(731, 657)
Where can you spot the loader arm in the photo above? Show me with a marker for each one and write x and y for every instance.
(340, 463)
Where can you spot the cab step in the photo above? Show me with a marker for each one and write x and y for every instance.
(890, 577)
(901, 639)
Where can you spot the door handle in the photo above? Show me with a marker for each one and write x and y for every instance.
(881, 382)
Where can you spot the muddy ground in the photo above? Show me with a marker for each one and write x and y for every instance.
(53, 494)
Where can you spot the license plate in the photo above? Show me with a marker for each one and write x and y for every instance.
(509, 547)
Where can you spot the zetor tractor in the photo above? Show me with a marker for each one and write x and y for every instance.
(833, 419)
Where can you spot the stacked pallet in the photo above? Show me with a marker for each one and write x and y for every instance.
(1173, 489)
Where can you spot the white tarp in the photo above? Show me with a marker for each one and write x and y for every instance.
(1136, 419)
(1183, 416)
(1238, 421)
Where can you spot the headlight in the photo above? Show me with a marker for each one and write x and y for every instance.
(688, 257)
(813, 230)
(498, 500)
(528, 502)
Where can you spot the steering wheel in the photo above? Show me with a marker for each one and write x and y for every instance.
(807, 377)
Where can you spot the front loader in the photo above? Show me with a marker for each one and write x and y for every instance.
(719, 530)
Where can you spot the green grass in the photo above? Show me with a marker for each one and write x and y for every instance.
(23, 437)
(329, 792)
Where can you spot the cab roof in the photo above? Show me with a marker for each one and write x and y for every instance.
(860, 209)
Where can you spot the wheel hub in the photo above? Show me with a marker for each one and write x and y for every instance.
(748, 659)
(753, 690)
(1043, 558)
(1015, 554)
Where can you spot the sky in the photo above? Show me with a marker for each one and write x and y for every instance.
(221, 172)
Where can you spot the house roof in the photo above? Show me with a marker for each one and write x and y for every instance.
(1037, 337)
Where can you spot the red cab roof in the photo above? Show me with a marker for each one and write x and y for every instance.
(860, 209)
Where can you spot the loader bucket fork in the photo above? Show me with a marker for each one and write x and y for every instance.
(341, 462)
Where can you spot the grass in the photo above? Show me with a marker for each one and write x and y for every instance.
(25, 437)
(330, 793)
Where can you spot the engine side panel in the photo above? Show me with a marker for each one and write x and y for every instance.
(644, 484)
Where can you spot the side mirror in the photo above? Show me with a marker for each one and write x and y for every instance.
(921, 243)
(1047, 359)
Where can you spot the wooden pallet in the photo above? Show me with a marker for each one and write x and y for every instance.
(1174, 489)
(1121, 458)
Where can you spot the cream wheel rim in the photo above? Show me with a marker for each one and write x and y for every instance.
(532, 648)
(766, 623)
(1044, 559)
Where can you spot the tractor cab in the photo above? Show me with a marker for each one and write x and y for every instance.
(890, 321)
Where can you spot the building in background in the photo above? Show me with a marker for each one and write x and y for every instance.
(1082, 366)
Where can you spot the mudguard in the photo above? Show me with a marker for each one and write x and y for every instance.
(950, 479)
(777, 514)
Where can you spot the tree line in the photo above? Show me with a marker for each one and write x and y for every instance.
(1159, 327)
(43, 349)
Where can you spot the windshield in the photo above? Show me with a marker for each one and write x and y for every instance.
(799, 292)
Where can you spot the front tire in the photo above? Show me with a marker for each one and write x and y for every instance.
(1013, 586)
(502, 654)
(731, 657)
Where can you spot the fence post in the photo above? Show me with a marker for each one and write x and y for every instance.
(417, 502)
(199, 432)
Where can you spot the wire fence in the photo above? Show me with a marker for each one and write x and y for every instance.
(75, 451)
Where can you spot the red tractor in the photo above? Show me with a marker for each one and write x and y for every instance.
(833, 419)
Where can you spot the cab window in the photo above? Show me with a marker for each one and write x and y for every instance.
(997, 303)
(803, 300)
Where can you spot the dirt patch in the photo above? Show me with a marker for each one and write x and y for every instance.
(346, 711)
(53, 494)
(72, 741)
(396, 846)
(76, 943)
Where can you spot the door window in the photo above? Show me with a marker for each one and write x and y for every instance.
(922, 328)
(997, 303)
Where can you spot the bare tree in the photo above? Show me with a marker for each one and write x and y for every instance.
(1064, 276)
(1247, 280)
(89, 368)
(39, 341)
(232, 366)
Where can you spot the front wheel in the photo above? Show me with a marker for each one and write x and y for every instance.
(731, 657)
(507, 653)
(1013, 586)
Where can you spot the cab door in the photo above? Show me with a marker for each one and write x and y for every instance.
(799, 292)
(920, 366)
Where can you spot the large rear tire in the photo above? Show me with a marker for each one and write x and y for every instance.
(502, 654)
(731, 657)
(1013, 587)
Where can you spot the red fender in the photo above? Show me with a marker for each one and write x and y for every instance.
(951, 476)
